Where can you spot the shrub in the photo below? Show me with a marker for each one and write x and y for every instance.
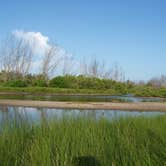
(64, 82)
(16, 83)
(40, 81)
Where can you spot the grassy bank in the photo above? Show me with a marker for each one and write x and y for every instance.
(137, 91)
(49, 90)
(65, 142)
(69, 84)
(147, 91)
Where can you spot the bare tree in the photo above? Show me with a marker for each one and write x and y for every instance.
(50, 61)
(105, 71)
(23, 58)
(158, 81)
(94, 68)
(83, 67)
(99, 69)
(16, 56)
(117, 73)
(69, 65)
(163, 81)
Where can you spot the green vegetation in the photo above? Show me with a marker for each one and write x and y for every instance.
(78, 85)
(148, 91)
(69, 141)
(49, 90)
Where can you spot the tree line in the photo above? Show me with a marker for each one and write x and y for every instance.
(57, 69)
(17, 58)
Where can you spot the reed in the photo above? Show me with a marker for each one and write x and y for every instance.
(84, 141)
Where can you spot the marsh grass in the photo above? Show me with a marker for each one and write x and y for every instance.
(72, 141)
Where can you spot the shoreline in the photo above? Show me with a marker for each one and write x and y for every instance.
(73, 92)
(140, 106)
(76, 94)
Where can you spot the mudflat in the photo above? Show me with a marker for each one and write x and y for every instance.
(140, 106)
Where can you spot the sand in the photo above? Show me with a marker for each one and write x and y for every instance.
(141, 106)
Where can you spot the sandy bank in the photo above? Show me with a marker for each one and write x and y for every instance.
(146, 106)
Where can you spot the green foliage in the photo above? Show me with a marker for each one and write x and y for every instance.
(9, 76)
(36, 80)
(131, 141)
(39, 80)
(78, 84)
(148, 91)
(82, 82)
(63, 82)
(89, 83)
(16, 83)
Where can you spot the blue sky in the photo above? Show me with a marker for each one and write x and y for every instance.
(131, 33)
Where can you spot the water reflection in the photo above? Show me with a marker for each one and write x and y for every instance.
(8, 113)
(83, 98)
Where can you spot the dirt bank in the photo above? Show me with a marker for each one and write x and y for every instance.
(145, 106)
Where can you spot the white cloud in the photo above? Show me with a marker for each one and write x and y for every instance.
(37, 41)
(39, 45)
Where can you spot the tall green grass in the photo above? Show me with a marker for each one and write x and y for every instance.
(70, 141)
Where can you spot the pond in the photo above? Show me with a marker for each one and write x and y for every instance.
(83, 98)
(8, 113)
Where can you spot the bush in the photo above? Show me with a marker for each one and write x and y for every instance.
(16, 83)
(39, 81)
(90, 83)
(64, 82)
(83, 82)
(78, 84)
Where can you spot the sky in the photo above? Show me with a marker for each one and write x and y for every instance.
(130, 33)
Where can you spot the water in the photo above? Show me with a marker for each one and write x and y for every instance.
(83, 98)
(37, 114)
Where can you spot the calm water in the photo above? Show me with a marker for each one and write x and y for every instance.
(38, 114)
(83, 98)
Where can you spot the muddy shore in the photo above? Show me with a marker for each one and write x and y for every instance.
(141, 106)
